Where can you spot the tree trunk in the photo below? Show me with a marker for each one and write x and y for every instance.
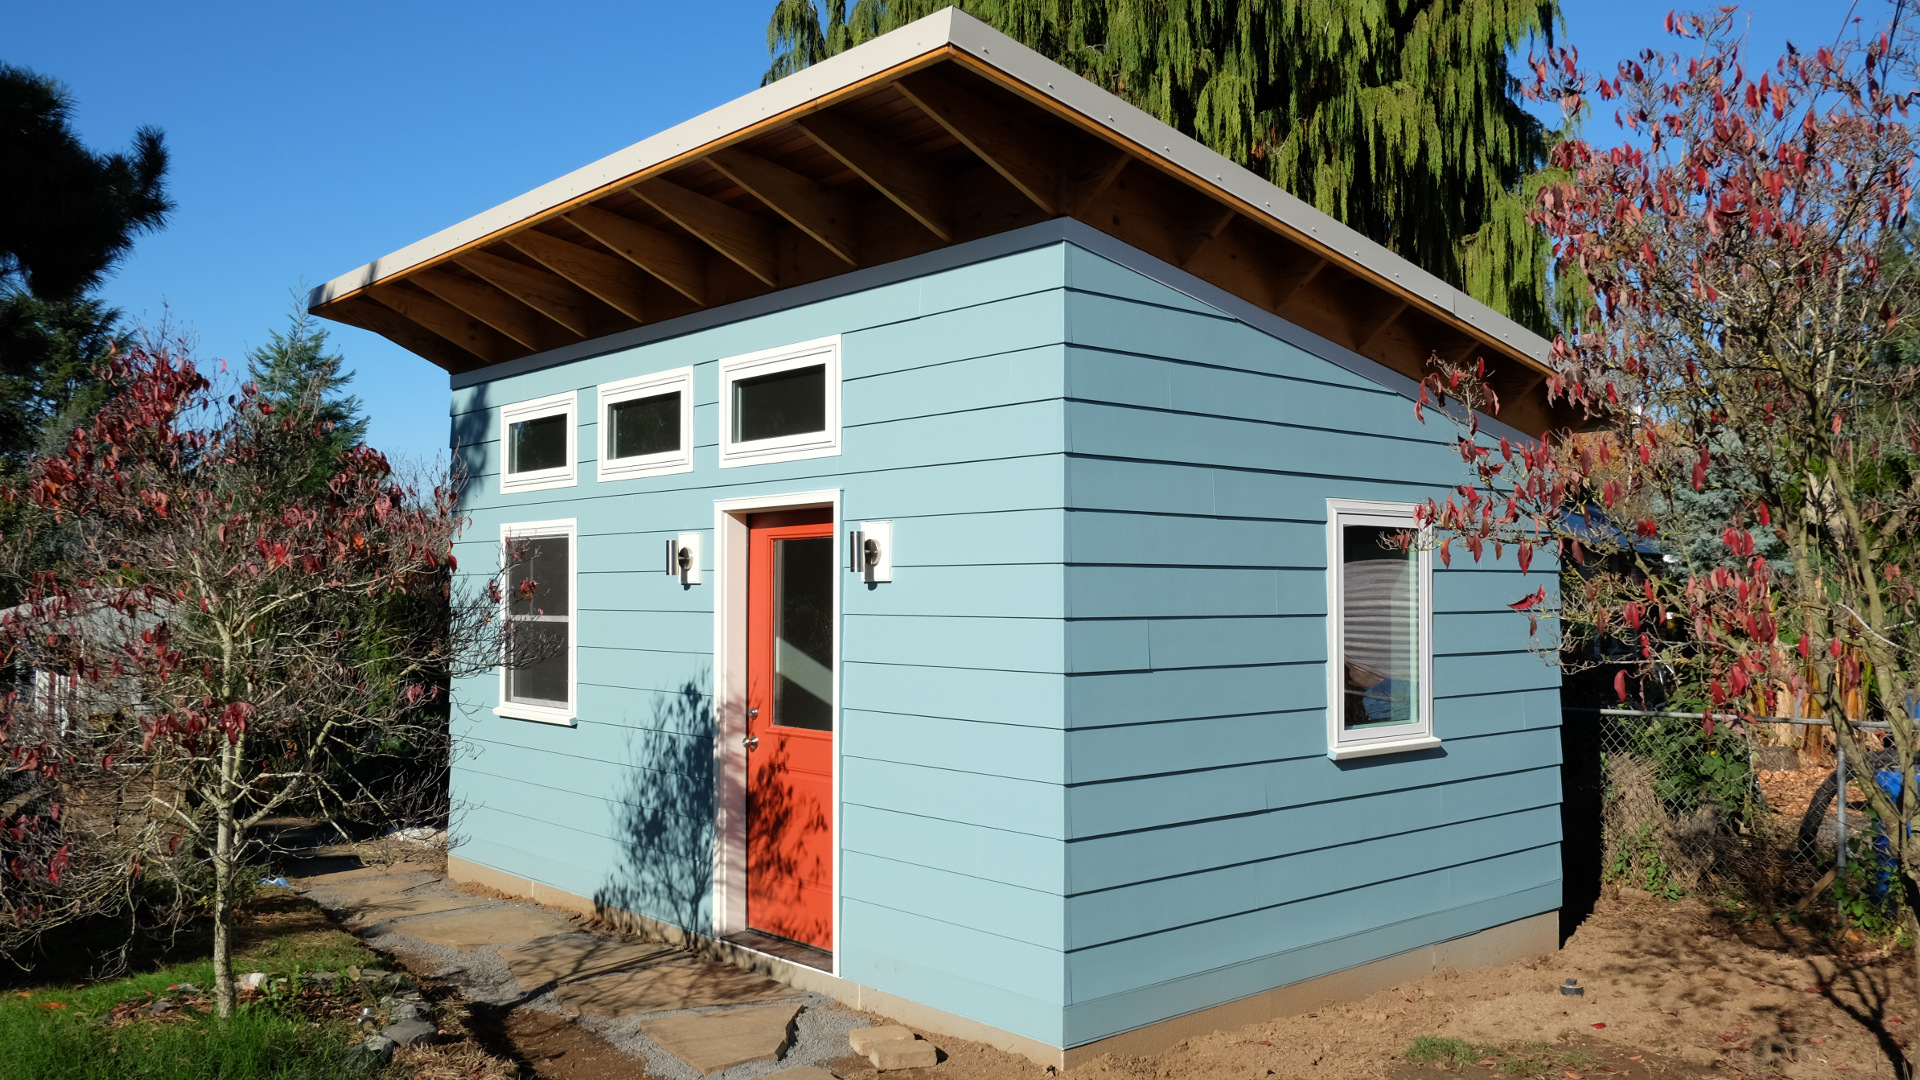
(222, 917)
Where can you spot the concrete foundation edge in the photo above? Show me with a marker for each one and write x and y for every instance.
(1537, 935)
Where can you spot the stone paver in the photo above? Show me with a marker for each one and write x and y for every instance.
(576, 956)
(685, 983)
(863, 1039)
(368, 910)
(713, 1041)
(491, 926)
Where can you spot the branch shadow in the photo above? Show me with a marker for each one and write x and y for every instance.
(664, 816)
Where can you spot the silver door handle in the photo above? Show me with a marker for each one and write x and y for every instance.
(753, 714)
(751, 742)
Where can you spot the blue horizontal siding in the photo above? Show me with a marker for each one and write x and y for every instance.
(951, 739)
(1214, 850)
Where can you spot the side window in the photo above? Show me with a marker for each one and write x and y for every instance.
(780, 405)
(1379, 630)
(537, 670)
(646, 425)
(537, 440)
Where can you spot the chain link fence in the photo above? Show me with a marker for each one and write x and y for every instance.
(1748, 810)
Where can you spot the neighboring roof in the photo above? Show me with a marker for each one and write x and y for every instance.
(940, 132)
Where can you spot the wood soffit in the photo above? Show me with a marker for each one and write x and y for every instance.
(938, 150)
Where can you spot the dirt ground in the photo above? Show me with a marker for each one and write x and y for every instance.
(1672, 990)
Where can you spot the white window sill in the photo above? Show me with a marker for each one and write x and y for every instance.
(535, 714)
(515, 486)
(1374, 749)
(735, 455)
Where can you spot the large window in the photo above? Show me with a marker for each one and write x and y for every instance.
(537, 670)
(780, 405)
(1380, 629)
(646, 425)
(537, 444)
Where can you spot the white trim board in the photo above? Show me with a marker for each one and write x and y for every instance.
(567, 717)
(1342, 745)
(729, 707)
(656, 384)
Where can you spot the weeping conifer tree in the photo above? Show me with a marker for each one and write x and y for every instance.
(1397, 117)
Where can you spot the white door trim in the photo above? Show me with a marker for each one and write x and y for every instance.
(729, 705)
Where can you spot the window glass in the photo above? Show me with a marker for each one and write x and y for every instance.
(537, 444)
(783, 403)
(803, 633)
(649, 425)
(1380, 627)
(538, 605)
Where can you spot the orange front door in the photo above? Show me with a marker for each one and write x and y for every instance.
(790, 579)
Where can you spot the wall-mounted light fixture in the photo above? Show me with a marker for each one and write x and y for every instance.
(870, 550)
(683, 558)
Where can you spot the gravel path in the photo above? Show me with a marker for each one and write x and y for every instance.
(820, 1032)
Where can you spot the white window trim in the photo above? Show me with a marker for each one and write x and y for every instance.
(543, 479)
(810, 444)
(1341, 744)
(569, 528)
(678, 380)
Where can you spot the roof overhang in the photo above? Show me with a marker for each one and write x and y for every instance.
(940, 132)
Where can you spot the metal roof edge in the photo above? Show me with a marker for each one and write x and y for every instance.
(1001, 52)
(944, 28)
(916, 39)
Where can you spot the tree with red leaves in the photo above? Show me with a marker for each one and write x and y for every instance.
(219, 643)
(1747, 249)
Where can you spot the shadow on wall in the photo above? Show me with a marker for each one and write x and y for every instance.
(663, 817)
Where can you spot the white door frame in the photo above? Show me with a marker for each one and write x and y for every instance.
(729, 704)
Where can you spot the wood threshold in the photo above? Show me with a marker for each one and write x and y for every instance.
(791, 951)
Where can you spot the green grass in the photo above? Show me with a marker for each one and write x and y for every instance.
(1532, 1061)
(1453, 1053)
(53, 1033)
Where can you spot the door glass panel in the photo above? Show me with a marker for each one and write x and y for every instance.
(645, 426)
(803, 633)
(1380, 627)
(536, 444)
(784, 403)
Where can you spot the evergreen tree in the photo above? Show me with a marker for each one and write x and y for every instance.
(1397, 117)
(67, 214)
(303, 383)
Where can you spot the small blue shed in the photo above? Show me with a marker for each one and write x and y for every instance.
(959, 508)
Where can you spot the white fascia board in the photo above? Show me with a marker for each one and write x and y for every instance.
(835, 73)
(950, 26)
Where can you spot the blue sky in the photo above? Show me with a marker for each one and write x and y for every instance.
(308, 139)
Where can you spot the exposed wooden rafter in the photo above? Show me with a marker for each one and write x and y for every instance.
(447, 321)
(1368, 329)
(812, 189)
(738, 235)
(1206, 227)
(367, 314)
(490, 306)
(1010, 145)
(1095, 173)
(925, 194)
(678, 263)
(540, 290)
(606, 277)
(818, 211)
